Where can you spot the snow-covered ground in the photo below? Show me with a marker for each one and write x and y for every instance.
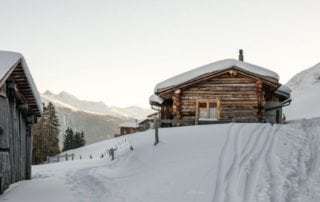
(226, 162)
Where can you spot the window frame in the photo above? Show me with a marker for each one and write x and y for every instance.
(208, 102)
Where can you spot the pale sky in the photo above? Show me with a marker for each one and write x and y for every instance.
(117, 50)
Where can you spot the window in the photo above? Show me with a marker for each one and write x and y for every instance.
(207, 110)
(212, 111)
(203, 110)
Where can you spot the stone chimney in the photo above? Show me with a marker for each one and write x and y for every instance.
(241, 55)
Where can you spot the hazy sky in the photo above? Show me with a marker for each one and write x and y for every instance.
(117, 50)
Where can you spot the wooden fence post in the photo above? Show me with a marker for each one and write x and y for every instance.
(66, 157)
(156, 131)
(111, 153)
(72, 156)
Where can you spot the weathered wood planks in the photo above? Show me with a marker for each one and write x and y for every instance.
(15, 142)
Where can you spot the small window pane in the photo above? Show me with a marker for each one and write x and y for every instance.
(207, 110)
(203, 113)
(202, 105)
(212, 113)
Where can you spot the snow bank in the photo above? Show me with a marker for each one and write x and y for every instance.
(226, 162)
(305, 94)
(215, 67)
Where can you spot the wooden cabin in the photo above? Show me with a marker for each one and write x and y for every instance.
(129, 127)
(20, 105)
(135, 126)
(224, 91)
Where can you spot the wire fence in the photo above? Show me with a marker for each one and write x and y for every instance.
(112, 151)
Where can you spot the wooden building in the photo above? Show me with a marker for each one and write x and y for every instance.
(129, 127)
(20, 105)
(223, 91)
(136, 126)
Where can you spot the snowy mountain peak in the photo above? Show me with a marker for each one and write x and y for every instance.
(67, 100)
(47, 93)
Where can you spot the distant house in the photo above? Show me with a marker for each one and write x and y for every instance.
(136, 126)
(223, 91)
(20, 105)
(144, 124)
(129, 127)
(150, 119)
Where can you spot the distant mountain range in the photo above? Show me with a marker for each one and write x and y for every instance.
(70, 101)
(96, 119)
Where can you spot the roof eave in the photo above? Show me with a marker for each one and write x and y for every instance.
(268, 80)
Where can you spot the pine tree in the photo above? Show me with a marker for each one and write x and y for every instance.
(68, 142)
(82, 140)
(73, 140)
(45, 135)
(77, 140)
(53, 131)
(38, 154)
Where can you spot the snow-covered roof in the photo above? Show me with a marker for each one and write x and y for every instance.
(155, 99)
(284, 90)
(215, 67)
(8, 63)
(130, 124)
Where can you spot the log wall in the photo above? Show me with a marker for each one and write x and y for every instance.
(241, 98)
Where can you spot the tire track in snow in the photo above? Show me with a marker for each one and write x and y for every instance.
(249, 149)
(220, 177)
(255, 163)
(87, 186)
(271, 166)
(233, 184)
(246, 153)
(231, 173)
(254, 133)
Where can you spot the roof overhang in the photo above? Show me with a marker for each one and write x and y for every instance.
(16, 70)
(266, 80)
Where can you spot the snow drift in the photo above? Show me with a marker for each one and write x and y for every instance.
(305, 94)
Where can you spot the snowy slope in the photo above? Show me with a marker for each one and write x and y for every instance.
(228, 162)
(305, 93)
(96, 127)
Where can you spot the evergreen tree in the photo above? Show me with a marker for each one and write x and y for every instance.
(68, 142)
(38, 154)
(45, 135)
(52, 131)
(82, 140)
(73, 140)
